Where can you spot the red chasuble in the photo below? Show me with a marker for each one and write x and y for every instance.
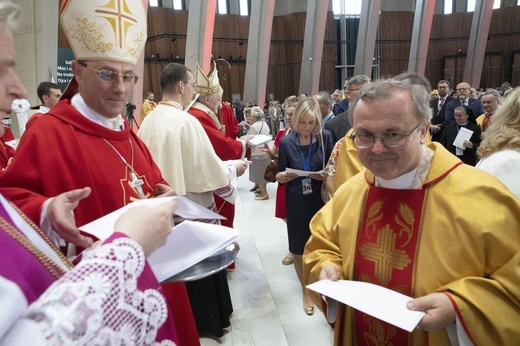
(386, 256)
(67, 151)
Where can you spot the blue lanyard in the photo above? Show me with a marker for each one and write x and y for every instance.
(306, 163)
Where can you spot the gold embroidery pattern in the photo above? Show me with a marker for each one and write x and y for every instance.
(376, 334)
(385, 255)
(373, 216)
(87, 32)
(407, 226)
(117, 13)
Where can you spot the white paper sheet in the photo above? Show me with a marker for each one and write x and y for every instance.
(377, 301)
(300, 172)
(189, 243)
(103, 227)
(463, 135)
(260, 139)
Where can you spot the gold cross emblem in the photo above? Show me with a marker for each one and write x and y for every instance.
(385, 255)
(119, 16)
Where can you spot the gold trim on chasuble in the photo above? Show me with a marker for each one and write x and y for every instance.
(386, 254)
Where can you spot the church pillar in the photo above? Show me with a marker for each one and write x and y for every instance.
(478, 42)
(315, 24)
(422, 25)
(258, 45)
(36, 40)
(368, 24)
(199, 41)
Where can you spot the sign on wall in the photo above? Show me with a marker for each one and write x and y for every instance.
(64, 70)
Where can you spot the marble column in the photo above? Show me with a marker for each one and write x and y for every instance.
(478, 42)
(199, 41)
(315, 25)
(422, 25)
(368, 24)
(259, 43)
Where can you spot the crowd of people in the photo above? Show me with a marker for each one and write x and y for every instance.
(408, 210)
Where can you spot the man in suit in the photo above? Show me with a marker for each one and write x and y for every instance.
(337, 96)
(339, 125)
(463, 99)
(275, 114)
(342, 105)
(438, 106)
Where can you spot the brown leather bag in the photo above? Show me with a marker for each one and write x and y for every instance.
(271, 171)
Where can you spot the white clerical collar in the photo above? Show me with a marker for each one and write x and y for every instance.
(116, 124)
(404, 182)
(43, 110)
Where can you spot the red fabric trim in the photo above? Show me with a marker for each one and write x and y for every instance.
(459, 315)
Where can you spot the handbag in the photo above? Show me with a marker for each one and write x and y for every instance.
(271, 171)
(325, 195)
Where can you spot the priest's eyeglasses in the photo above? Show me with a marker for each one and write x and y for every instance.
(112, 76)
(392, 139)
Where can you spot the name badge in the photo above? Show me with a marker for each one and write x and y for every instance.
(307, 186)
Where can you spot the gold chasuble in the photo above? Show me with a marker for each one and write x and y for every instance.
(385, 255)
(456, 232)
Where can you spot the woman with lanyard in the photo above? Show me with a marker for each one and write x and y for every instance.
(467, 150)
(306, 148)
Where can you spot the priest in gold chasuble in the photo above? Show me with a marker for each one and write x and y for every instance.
(421, 223)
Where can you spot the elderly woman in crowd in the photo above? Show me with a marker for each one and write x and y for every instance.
(279, 209)
(259, 159)
(306, 149)
(500, 147)
(464, 117)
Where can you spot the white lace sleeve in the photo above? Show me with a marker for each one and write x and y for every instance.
(99, 301)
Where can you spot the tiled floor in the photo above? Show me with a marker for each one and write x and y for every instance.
(266, 295)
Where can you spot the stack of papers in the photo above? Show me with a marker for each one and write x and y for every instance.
(374, 300)
(189, 243)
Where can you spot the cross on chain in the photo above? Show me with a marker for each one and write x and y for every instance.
(136, 184)
(116, 13)
(384, 255)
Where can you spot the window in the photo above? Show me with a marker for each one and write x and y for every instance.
(448, 6)
(346, 7)
(154, 3)
(244, 7)
(222, 7)
(177, 5)
(471, 6)
(497, 4)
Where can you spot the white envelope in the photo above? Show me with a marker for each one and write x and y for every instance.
(103, 227)
(377, 301)
(463, 135)
(260, 139)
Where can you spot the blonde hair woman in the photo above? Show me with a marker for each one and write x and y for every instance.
(303, 149)
(500, 148)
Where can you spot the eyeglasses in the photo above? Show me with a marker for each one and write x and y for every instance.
(462, 89)
(112, 76)
(389, 139)
(356, 89)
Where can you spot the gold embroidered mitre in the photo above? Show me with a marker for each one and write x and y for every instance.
(207, 84)
(112, 30)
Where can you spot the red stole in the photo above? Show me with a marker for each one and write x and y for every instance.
(386, 254)
(485, 123)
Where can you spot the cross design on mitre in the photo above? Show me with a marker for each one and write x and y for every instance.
(385, 255)
(120, 18)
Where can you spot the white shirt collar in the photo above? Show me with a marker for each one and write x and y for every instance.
(43, 110)
(404, 182)
(116, 124)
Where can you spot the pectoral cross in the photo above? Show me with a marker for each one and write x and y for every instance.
(136, 184)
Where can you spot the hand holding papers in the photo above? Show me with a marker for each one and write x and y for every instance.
(189, 242)
(260, 139)
(463, 135)
(377, 301)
